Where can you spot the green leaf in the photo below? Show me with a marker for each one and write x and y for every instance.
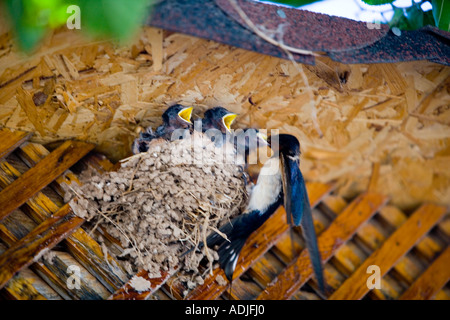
(414, 14)
(428, 18)
(398, 15)
(441, 14)
(27, 29)
(118, 19)
(399, 20)
(377, 2)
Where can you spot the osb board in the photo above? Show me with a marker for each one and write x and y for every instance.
(382, 126)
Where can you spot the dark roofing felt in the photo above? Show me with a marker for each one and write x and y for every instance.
(342, 39)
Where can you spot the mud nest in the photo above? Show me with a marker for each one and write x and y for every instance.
(165, 201)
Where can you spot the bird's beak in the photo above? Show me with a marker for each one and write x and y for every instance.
(228, 120)
(185, 114)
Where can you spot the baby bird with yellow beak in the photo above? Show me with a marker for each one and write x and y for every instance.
(174, 118)
(218, 118)
(216, 124)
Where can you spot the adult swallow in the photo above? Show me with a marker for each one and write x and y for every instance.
(175, 117)
(280, 182)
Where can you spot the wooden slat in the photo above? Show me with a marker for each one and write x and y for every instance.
(127, 292)
(431, 281)
(284, 247)
(265, 269)
(341, 230)
(443, 294)
(6, 236)
(22, 253)
(32, 153)
(10, 140)
(39, 206)
(56, 273)
(27, 285)
(103, 266)
(46, 270)
(257, 244)
(19, 287)
(43, 173)
(100, 163)
(242, 290)
(372, 235)
(87, 251)
(175, 288)
(395, 247)
(22, 289)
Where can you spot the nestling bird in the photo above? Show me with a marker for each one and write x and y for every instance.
(246, 141)
(218, 118)
(280, 181)
(175, 117)
(216, 123)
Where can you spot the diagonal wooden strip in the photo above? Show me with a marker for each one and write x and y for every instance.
(6, 236)
(257, 244)
(128, 292)
(10, 140)
(59, 270)
(54, 273)
(372, 235)
(22, 289)
(43, 173)
(395, 247)
(432, 280)
(99, 263)
(39, 206)
(19, 287)
(340, 231)
(43, 237)
(87, 251)
(32, 153)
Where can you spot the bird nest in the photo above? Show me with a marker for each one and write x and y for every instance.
(165, 201)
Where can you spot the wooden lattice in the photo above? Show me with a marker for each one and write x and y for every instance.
(411, 249)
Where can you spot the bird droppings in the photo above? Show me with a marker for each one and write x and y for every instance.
(163, 202)
(221, 281)
(140, 284)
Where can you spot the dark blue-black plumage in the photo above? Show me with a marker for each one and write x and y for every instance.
(287, 187)
(216, 124)
(176, 117)
(296, 200)
(218, 118)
